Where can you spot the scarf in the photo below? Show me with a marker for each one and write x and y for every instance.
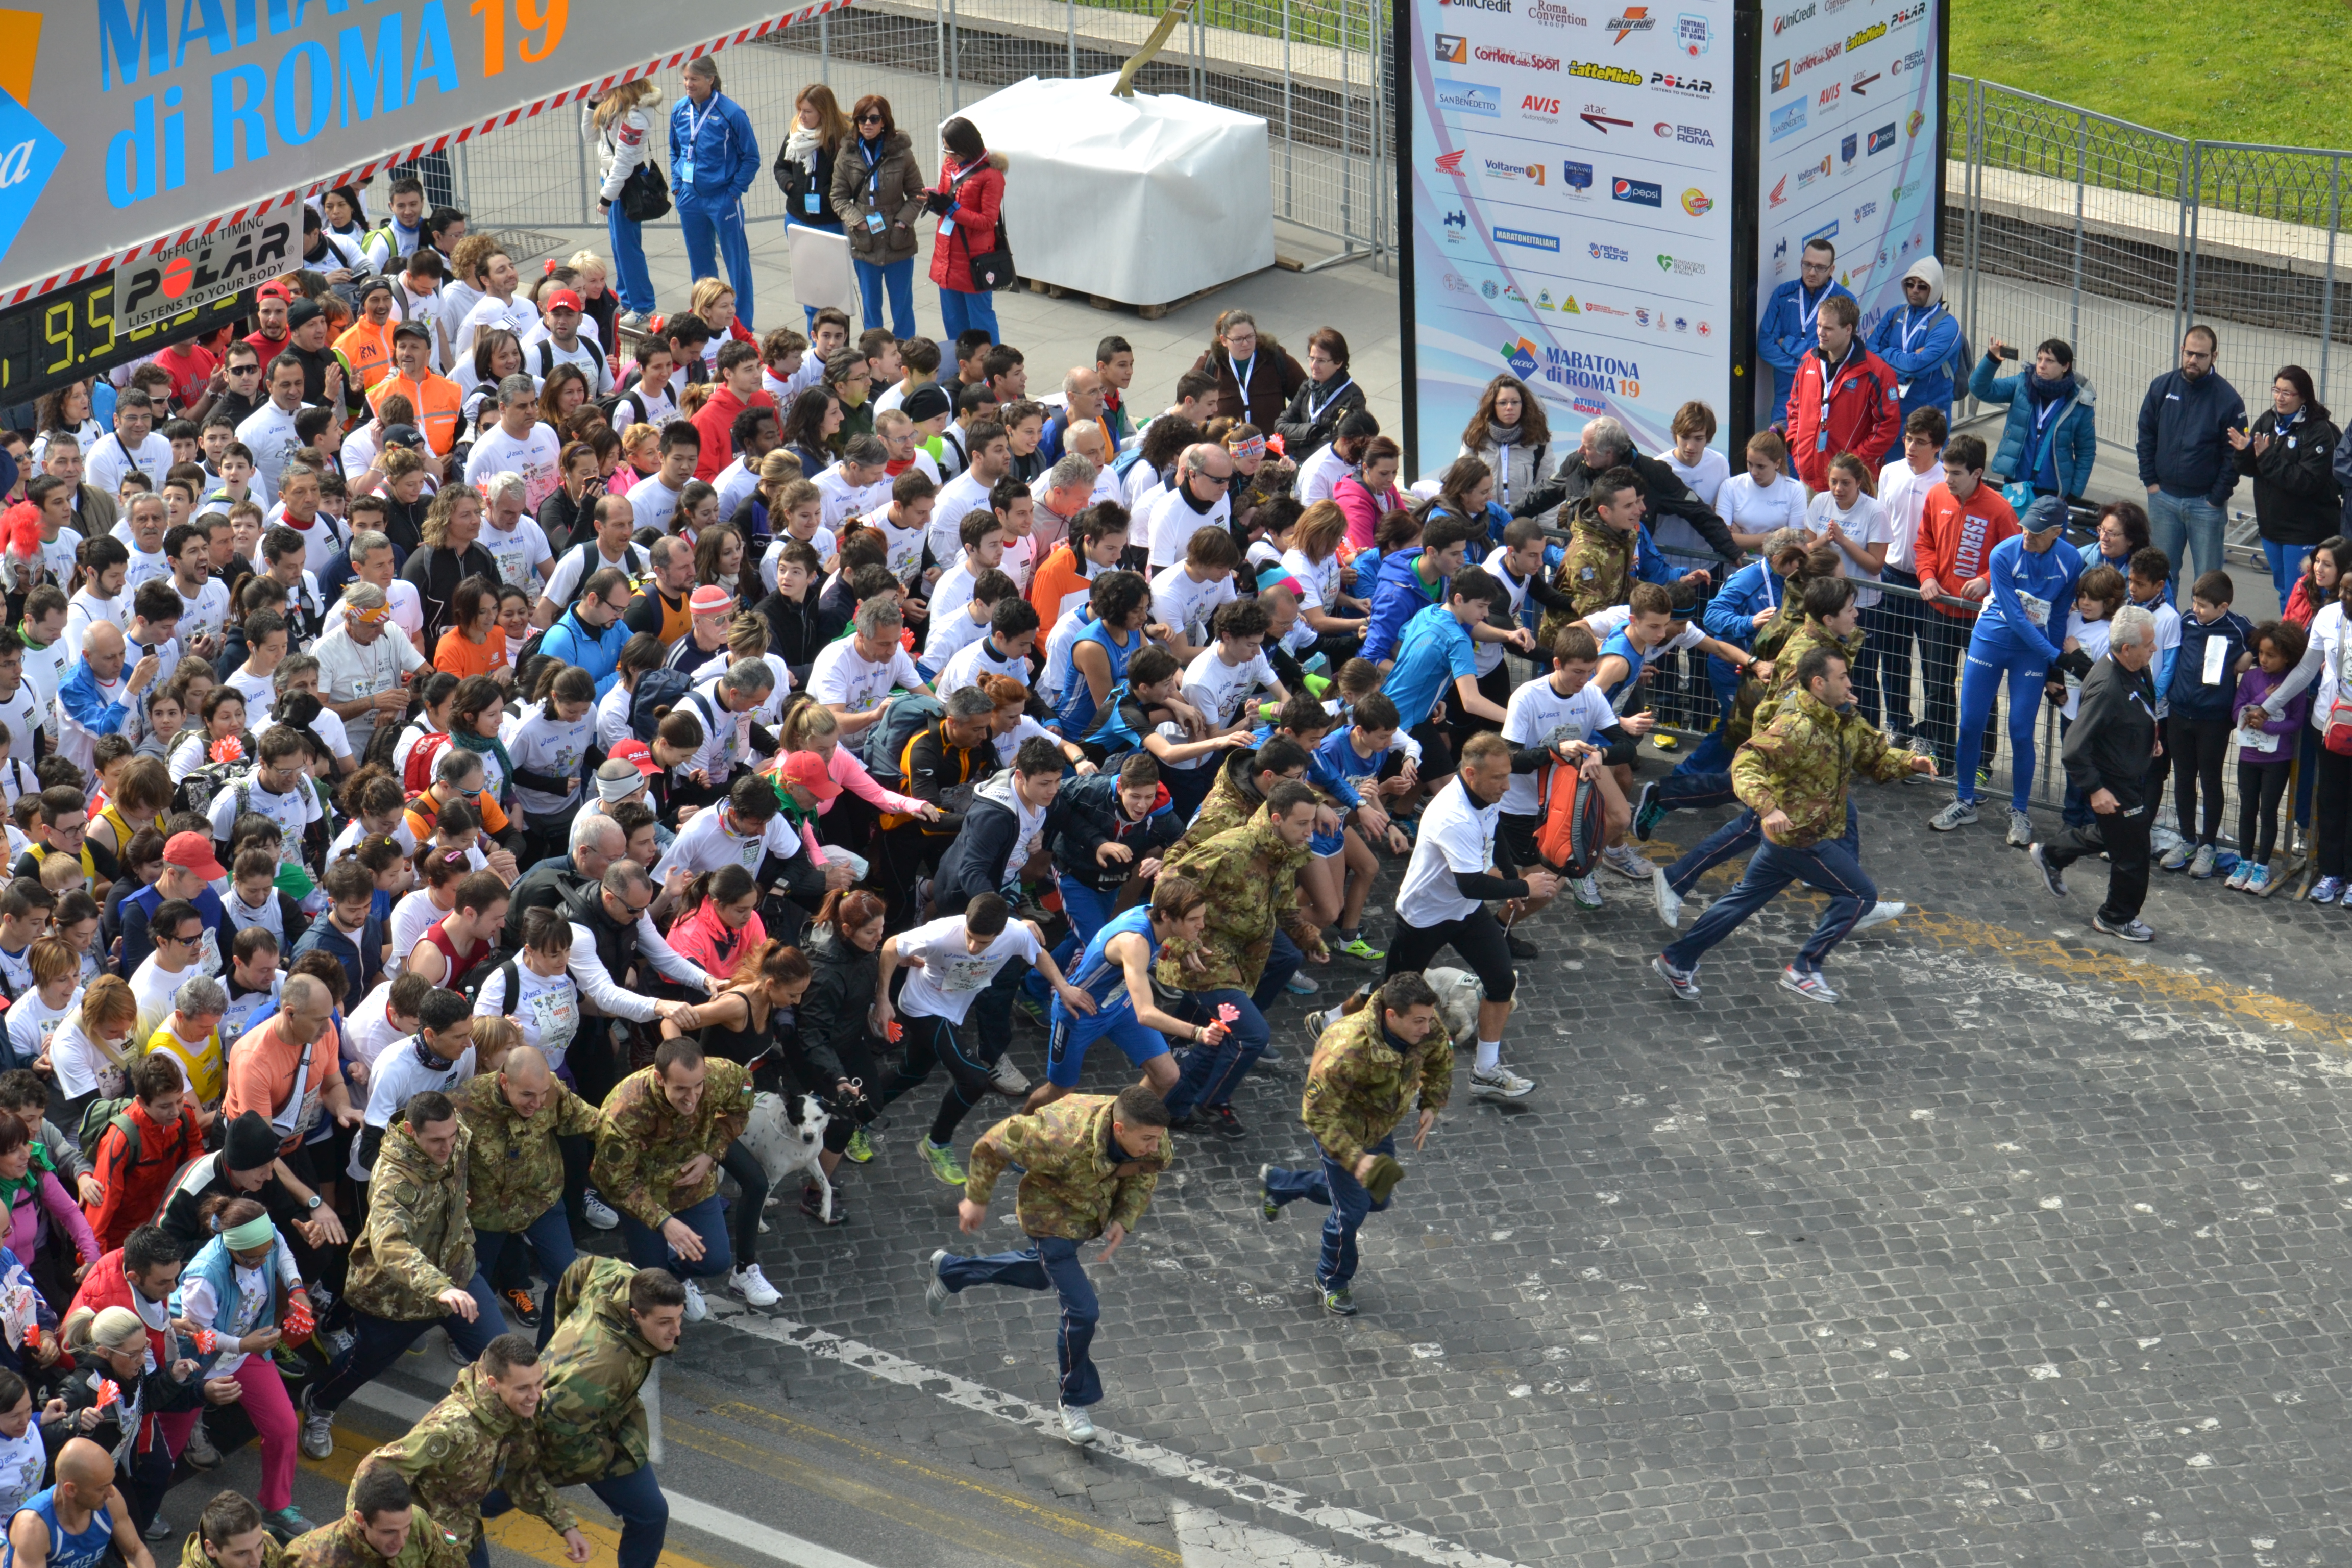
(29, 1183)
(489, 745)
(1503, 435)
(802, 145)
(2057, 391)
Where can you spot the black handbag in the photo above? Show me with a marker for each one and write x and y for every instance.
(991, 269)
(644, 197)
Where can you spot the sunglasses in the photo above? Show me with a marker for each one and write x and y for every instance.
(869, 120)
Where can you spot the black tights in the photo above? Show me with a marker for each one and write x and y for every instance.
(940, 1042)
(2260, 786)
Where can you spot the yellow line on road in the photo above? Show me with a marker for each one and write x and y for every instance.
(1050, 1518)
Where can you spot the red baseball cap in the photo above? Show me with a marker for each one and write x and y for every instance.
(563, 298)
(637, 752)
(273, 292)
(193, 852)
(806, 769)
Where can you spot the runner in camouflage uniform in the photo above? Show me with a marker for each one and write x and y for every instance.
(665, 1128)
(1368, 1068)
(615, 1323)
(383, 1528)
(1090, 1165)
(514, 1189)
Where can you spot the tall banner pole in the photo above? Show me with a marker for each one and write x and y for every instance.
(1747, 199)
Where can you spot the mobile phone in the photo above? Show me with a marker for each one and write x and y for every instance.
(2005, 352)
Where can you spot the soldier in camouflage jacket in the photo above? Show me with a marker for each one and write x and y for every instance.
(665, 1128)
(481, 1443)
(616, 1322)
(1252, 945)
(514, 1184)
(1369, 1068)
(346, 1544)
(412, 1265)
(1090, 1163)
(1792, 775)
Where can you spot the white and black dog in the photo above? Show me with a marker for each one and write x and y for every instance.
(784, 1143)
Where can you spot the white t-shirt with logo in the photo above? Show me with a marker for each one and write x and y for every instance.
(1537, 715)
(1186, 608)
(1456, 835)
(652, 503)
(1220, 691)
(534, 456)
(706, 843)
(952, 974)
(292, 812)
(843, 678)
(520, 551)
(208, 612)
(1865, 525)
(546, 1008)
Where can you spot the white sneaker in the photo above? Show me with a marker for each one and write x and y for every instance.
(1669, 903)
(600, 1212)
(753, 1287)
(1315, 1024)
(2021, 829)
(318, 1440)
(1006, 1076)
(935, 1294)
(1880, 913)
(1077, 1424)
(1502, 1083)
(696, 1309)
(1960, 813)
(1586, 891)
(1627, 862)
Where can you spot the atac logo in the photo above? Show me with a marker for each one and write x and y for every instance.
(29, 150)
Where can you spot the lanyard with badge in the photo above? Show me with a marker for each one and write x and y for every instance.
(873, 183)
(1910, 333)
(1805, 318)
(1830, 375)
(1242, 373)
(693, 123)
(1315, 410)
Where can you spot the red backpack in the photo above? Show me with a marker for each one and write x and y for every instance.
(417, 773)
(1574, 820)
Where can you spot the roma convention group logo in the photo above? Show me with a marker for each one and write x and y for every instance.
(29, 150)
(1545, 14)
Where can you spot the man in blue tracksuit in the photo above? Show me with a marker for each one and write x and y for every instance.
(2016, 639)
(1919, 344)
(1792, 325)
(713, 159)
(2184, 459)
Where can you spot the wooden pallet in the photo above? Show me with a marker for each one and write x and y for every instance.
(1148, 313)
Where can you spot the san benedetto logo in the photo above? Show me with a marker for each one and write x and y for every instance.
(1595, 71)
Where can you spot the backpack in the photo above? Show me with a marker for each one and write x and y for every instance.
(885, 741)
(548, 362)
(1575, 821)
(497, 961)
(658, 692)
(1126, 459)
(204, 785)
(417, 773)
(101, 1114)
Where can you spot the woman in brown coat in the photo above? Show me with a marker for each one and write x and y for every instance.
(878, 190)
(1256, 378)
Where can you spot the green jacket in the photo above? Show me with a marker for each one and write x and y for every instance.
(1232, 801)
(465, 1446)
(1251, 877)
(1072, 1185)
(516, 1172)
(340, 1545)
(644, 1141)
(1597, 570)
(591, 1423)
(417, 1241)
(1789, 653)
(1800, 762)
(191, 1552)
(1358, 1087)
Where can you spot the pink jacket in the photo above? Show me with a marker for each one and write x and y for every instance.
(24, 1221)
(702, 938)
(846, 771)
(1365, 510)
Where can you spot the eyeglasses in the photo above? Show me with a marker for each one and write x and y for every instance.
(869, 120)
(245, 370)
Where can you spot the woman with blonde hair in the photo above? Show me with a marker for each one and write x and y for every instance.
(623, 121)
(1313, 561)
(803, 169)
(852, 807)
(592, 280)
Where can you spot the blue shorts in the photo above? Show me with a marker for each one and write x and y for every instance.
(1066, 1047)
(1323, 845)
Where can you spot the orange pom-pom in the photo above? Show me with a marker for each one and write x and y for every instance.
(227, 749)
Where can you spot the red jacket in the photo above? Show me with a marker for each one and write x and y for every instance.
(105, 1286)
(716, 420)
(979, 201)
(1866, 413)
(1956, 540)
(136, 1191)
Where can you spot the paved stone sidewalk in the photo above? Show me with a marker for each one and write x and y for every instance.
(2030, 1251)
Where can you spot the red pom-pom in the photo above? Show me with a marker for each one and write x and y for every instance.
(22, 529)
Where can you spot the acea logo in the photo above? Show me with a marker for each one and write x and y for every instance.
(1521, 357)
(29, 150)
(1787, 120)
(1698, 202)
(1641, 193)
(1474, 99)
(1527, 239)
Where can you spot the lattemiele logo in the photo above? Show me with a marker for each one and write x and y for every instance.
(1780, 74)
(1593, 71)
(1492, 56)
(1788, 19)
(1686, 86)
(1632, 19)
(1545, 14)
(1470, 98)
(1528, 239)
(1698, 202)
(1452, 49)
(29, 150)
(1869, 35)
(1451, 162)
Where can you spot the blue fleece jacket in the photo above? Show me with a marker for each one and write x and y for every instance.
(570, 640)
(1398, 597)
(2189, 694)
(2017, 572)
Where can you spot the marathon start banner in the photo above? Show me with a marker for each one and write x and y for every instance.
(137, 126)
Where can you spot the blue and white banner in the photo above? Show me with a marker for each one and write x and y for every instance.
(1570, 200)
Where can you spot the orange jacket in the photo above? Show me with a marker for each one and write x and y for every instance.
(438, 402)
(1059, 577)
(1955, 539)
(368, 351)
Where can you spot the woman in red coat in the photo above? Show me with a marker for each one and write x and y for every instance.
(968, 199)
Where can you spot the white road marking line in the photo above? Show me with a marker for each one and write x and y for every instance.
(714, 1521)
(1209, 1539)
(1164, 1463)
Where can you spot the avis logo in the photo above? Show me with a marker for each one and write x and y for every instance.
(29, 150)
(1534, 105)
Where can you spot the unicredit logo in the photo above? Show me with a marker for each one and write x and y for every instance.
(1788, 19)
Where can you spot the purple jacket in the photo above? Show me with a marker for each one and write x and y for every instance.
(25, 1220)
(2253, 688)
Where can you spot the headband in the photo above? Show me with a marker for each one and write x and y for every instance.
(1245, 451)
(255, 1232)
(376, 617)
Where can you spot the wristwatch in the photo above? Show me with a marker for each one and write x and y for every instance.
(313, 1204)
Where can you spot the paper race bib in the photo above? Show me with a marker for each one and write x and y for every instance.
(2217, 661)
(556, 1016)
(2036, 610)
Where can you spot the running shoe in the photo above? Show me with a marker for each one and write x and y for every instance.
(696, 1309)
(1362, 951)
(1647, 812)
(1960, 813)
(2257, 878)
(941, 1159)
(286, 1524)
(2053, 876)
(2200, 867)
(752, 1286)
(1521, 946)
(1808, 984)
(1077, 1424)
(1266, 1204)
(1339, 1303)
(520, 1303)
(318, 1441)
(1684, 982)
(2175, 858)
(1006, 1077)
(1878, 914)
(1627, 862)
(2327, 889)
(2129, 931)
(600, 1212)
(2240, 876)
(2021, 829)
(859, 1149)
(1300, 985)
(1501, 1083)
(1224, 1123)
(1585, 891)
(1669, 903)
(935, 1294)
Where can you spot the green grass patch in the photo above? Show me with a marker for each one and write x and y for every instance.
(2280, 73)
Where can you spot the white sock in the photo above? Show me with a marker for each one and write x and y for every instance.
(1490, 1055)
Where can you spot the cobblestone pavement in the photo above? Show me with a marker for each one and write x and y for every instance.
(2027, 1252)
